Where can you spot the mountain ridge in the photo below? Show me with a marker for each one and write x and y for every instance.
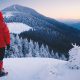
(75, 23)
(58, 36)
(30, 11)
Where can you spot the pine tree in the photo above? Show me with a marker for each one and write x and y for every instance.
(74, 57)
(25, 47)
(31, 47)
(36, 51)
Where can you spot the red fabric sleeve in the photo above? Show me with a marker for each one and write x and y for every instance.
(6, 34)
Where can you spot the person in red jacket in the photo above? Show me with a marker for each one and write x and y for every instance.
(4, 42)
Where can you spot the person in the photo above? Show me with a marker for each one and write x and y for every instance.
(4, 42)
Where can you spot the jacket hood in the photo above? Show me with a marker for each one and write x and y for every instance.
(1, 16)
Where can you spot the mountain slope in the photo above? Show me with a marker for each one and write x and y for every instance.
(72, 22)
(39, 69)
(56, 35)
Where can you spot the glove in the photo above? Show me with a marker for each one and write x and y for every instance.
(8, 47)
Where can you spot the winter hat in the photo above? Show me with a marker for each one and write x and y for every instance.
(1, 16)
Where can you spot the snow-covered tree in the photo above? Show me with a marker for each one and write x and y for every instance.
(74, 57)
(36, 49)
(63, 57)
(19, 46)
(44, 51)
(31, 49)
(27, 48)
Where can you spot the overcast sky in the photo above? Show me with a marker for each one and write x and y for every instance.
(69, 9)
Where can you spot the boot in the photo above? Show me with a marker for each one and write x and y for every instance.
(2, 72)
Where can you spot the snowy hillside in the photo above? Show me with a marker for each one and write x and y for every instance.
(18, 27)
(47, 30)
(39, 69)
(8, 15)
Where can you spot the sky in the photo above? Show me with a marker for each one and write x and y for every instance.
(59, 9)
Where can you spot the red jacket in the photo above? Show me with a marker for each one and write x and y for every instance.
(4, 33)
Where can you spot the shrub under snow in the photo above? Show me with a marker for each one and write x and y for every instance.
(74, 57)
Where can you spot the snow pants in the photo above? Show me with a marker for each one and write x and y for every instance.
(2, 53)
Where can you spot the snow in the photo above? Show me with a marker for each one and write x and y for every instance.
(74, 57)
(8, 14)
(14, 7)
(16, 27)
(39, 69)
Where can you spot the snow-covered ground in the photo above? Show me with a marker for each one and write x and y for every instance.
(16, 27)
(39, 69)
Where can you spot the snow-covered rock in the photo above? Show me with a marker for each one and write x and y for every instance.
(38, 69)
(18, 27)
